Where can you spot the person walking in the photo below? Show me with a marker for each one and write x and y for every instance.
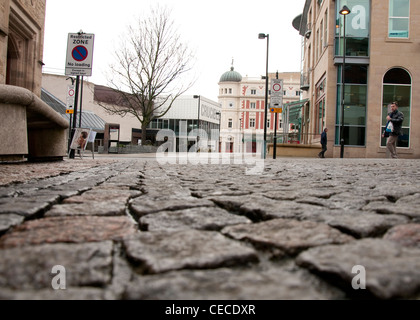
(396, 118)
(324, 141)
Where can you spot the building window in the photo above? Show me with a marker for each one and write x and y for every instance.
(230, 91)
(230, 124)
(357, 29)
(321, 38)
(252, 123)
(355, 100)
(317, 45)
(326, 28)
(297, 93)
(253, 105)
(397, 87)
(268, 122)
(253, 91)
(399, 18)
(320, 107)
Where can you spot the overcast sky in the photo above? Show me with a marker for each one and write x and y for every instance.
(218, 30)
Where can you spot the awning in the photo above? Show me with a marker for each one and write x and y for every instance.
(89, 119)
(296, 104)
(295, 110)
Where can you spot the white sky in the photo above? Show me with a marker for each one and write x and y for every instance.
(218, 30)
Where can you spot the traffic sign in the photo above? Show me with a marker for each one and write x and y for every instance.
(70, 100)
(276, 93)
(79, 54)
(276, 110)
(276, 88)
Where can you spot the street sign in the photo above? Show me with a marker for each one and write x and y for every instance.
(276, 110)
(79, 54)
(276, 93)
(70, 100)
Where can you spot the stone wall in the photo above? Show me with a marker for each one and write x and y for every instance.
(21, 43)
(4, 30)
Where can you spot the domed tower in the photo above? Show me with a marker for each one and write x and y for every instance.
(229, 98)
(231, 76)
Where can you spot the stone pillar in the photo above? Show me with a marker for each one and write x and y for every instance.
(4, 31)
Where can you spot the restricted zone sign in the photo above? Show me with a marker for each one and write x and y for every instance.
(79, 54)
(276, 93)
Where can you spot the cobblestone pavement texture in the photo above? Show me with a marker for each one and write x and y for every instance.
(141, 229)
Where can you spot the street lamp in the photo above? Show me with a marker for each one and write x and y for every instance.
(220, 121)
(344, 12)
(263, 36)
(198, 125)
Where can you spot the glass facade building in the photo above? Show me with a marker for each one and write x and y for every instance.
(353, 72)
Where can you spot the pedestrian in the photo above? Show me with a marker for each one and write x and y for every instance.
(395, 118)
(324, 141)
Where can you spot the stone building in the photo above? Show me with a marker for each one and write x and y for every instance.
(28, 127)
(243, 110)
(21, 43)
(382, 65)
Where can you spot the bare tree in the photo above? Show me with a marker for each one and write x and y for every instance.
(149, 71)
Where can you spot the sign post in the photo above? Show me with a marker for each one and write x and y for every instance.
(70, 99)
(276, 106)
(78, 63)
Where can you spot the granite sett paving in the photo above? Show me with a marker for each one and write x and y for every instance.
(138, 228)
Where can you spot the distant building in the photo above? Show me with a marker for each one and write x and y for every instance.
(197, 112)
(192, 118)
(381, 66)
(243, 110)
(127, 126)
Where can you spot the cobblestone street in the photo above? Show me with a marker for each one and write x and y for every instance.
(127, 228)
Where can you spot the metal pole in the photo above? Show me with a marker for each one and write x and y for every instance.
(275, 137)
(70, 133)
(266, 101)
(343, 92)
(276, 121)
(76, 99)
(81, 104)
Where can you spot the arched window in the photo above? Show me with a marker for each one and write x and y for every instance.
(397, 87)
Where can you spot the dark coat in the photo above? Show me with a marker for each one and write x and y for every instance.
(324, 138)
(397, 119)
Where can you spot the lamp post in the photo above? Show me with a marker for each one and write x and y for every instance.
(344, 12)
(263, 36)
(198, 125)
(199, 105)
(220, 121)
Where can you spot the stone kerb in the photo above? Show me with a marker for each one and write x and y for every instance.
(29, 127)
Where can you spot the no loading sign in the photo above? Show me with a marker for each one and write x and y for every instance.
(80, 53)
